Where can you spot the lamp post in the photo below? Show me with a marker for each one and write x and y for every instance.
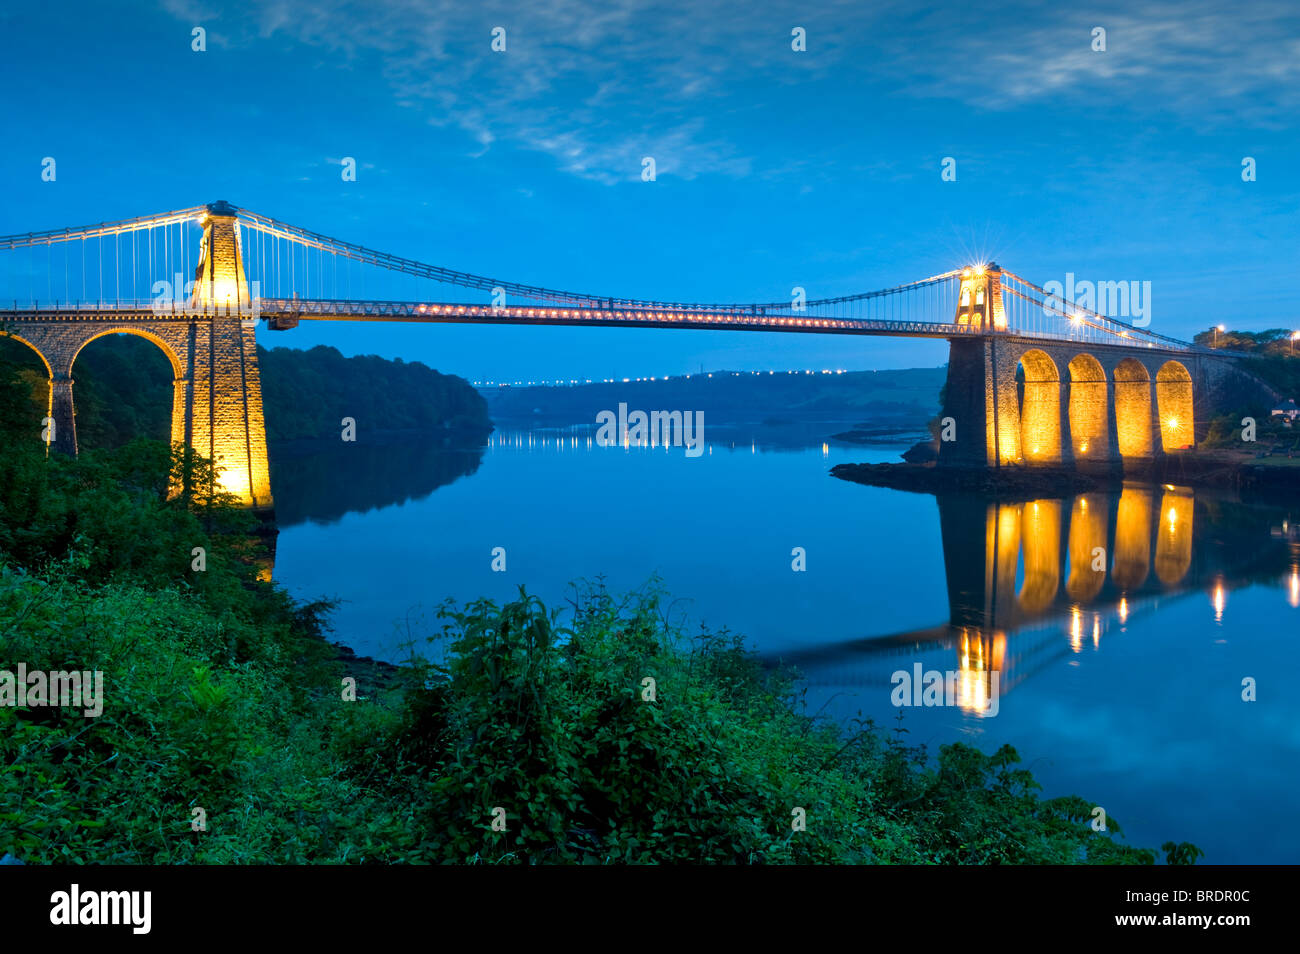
(1294, 336)
(1217, 329)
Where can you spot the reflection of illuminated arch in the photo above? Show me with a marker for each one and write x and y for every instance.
(1087, 532)
(1040, 409)
(1174, 536)
(1002, 541)
(1132, 539)
(979, 656)
(1089, 407)
(178, 385)
(1133, 408)
(1040, 541)
(1174, 405)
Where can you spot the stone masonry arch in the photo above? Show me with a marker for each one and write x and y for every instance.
(1133, 409)
(1089, 408)
(169, 350)
(1040, 409)
(1174, 405)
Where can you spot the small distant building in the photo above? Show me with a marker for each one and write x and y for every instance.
(1287, 410)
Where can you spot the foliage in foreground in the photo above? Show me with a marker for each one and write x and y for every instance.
(555, 725)
(222, 696)
(549, 724)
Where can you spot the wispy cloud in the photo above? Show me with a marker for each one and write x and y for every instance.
(598, 85)
(1202, 59)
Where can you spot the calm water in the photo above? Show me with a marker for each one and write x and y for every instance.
(1123, 684)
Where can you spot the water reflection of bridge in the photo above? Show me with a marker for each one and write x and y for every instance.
(1009, 564)
(1030, 582)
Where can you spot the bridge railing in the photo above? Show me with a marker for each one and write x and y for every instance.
(135, 307)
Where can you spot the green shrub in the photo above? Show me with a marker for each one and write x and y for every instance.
(554, 725)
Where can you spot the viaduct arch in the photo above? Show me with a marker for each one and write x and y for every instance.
(1023, 401)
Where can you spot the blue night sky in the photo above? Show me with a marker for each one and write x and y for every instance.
(775, 168)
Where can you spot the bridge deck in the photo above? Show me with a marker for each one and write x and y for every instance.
(287, 312)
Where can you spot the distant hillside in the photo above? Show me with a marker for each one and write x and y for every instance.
(904, 397)
(307, 393)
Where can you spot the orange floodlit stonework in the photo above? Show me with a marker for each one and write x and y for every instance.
(1020, 401)
(979, 299)
(1174, 401)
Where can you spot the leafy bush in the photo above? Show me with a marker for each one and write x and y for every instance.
(556, 726)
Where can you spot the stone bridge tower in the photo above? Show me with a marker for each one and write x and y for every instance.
(223, 387)
(219, 280)
(979, 300)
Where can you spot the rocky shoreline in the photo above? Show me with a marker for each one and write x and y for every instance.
(928, 478)
(1255, 477)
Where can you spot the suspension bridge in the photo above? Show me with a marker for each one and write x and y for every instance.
(1032, 379)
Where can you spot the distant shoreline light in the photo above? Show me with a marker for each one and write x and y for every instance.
(579, 382)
